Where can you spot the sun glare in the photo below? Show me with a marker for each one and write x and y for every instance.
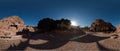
(73, 23)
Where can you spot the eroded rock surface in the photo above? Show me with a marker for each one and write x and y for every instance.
(100, 25)
(118, 29)
(30, 28)
(9, 26)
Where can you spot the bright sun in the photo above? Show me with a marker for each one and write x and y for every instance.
(73, 23)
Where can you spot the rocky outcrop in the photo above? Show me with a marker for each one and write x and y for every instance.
(9, 26)
(100, 25)
(118, 29)
(30, 28)
(116, 33)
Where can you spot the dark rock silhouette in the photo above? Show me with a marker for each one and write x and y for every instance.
(63, 24)
(48, 24)
(100, 25)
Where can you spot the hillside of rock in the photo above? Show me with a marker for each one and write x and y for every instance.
(100, 25)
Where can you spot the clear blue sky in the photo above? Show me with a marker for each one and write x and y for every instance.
(82, 11)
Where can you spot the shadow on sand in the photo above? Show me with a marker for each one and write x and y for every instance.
(90, 38)
(21, 46)
(55, 42)
(102, 48)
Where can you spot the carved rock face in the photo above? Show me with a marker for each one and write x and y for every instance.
(100, 25)
(11, 25)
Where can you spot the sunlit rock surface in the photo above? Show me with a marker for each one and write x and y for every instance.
(11, 25)
(118, 29)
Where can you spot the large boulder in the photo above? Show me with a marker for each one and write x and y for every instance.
(11, 25)
(100, 25)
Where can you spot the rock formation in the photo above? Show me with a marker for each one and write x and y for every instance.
(118, 29)
(101, 26)
(9, 26)
(116, 33)
(30, 28)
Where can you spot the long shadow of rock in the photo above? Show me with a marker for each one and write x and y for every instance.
(90, 38)
(53, 42)
(21, 46)
(102, 48)
(56, 41)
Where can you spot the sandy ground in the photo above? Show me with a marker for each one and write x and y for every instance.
(86, 42)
